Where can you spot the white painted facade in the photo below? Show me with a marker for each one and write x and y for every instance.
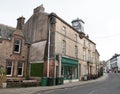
(113, 64)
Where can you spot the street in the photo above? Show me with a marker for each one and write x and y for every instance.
(109, 86)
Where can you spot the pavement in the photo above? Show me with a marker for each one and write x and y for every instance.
(36, 90)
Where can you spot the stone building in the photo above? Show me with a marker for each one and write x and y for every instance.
(48, 46)
(13, 51)
(57, 48)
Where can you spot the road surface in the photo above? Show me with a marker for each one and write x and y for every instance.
(109, 86)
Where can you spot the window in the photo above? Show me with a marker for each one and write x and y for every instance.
(84, 43)
(64, 30)
(69, 72)
(84, 54)
(0, 36)
(76, 51)
(63, 47)
(20, 69)
(75, 37)
(17, 45)
(0, 33)
(9, 68)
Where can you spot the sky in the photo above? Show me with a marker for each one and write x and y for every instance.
(101, 17)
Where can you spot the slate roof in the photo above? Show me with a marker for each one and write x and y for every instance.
(6, 31)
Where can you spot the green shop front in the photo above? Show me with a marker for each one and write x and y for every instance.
(69, 69)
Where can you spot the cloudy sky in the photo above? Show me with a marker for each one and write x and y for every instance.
(101, 17)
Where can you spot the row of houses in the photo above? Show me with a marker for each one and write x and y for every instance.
(113, 64)
(47, 46)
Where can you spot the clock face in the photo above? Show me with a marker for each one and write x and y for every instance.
(75, 23)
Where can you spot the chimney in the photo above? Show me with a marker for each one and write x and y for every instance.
(39, 9)
(20, 23)
(87, 36)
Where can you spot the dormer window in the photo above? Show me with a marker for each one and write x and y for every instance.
(17, 45)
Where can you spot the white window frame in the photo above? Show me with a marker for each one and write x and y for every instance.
(20, 67)
(19, 46)
(11, 68)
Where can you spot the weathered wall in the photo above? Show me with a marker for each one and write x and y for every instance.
(35, 28)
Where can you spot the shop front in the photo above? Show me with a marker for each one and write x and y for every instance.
(69, 69)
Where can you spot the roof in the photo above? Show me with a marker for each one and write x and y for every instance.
(114, 56)
(82, 33)
(54, 14)
(6, 31)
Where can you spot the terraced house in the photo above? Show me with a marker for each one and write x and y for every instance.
(13, 51)
(54, 48)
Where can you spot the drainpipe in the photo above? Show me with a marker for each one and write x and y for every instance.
(49, 32)
(28, 62)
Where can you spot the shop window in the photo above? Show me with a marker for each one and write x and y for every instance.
(20, 69)
(69, 72)
(17, 45)
(9, 68)
(63, 47)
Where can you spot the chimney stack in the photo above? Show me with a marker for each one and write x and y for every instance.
(39, 9)
(20, 23)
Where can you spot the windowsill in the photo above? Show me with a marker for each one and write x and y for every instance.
(16, 52)
(9, 75)
(20, 75)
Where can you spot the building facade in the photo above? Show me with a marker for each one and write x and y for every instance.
(63, 50)
(48, 46)
(13, 52)
(115, 63)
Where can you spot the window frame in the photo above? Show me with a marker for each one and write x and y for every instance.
(19, 49)
(20, 67)
(75, 37)
(64, 30)
(0, 33)
(63, 47)
(76, 51)
(9, 67)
